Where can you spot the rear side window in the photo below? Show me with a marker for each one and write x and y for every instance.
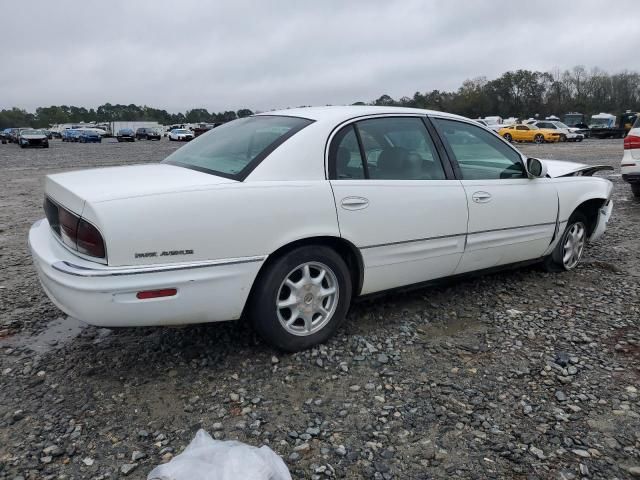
(480, 155)
(346, 152)
(394, 148)
(234, 149)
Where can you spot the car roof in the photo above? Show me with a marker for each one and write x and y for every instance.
(341, 113)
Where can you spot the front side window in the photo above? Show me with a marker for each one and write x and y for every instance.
(480, 155)
(522, 127)
(232, 150)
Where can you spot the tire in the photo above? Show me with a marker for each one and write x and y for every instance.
(539, 138)
(635, 189)
(563, 138)
(579, 139)
(566, 255)
(46, 146)
(272, 287)
(507, 137)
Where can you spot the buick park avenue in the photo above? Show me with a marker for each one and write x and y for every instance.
(284, 218)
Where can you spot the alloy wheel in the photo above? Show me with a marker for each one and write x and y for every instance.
(574, 242)
(307, 298)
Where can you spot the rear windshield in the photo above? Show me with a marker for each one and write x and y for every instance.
(232, 150)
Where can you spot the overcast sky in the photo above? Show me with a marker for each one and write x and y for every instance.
(268, 54)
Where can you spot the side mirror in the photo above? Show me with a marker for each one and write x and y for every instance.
(536, 168)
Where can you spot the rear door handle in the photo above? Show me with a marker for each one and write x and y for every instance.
(481, 197)
(354, 203)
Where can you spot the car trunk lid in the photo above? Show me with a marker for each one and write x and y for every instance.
(73, 189)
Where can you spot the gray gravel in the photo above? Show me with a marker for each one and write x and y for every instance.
(520, 374)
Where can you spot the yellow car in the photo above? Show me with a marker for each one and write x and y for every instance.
(529, 133)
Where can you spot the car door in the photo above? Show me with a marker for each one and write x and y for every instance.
(511, 217)
(523, 133)
(397, 201)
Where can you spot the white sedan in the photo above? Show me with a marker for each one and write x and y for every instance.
(181, 135)
(570, 134)
(285, 217)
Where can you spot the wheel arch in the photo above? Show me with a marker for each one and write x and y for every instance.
(590, 209)
(347, 250)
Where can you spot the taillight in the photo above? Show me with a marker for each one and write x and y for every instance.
(74, 231)
(89, 240)
(631, 142)
(68, 227)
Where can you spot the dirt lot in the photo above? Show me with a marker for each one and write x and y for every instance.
(520, 374)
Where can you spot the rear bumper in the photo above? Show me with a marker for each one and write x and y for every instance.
(106, 296)
(631, 177)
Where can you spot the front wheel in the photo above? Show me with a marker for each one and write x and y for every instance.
(507, 137)
(301, 299)
(539, 138)
(635, 189)
(568, 252)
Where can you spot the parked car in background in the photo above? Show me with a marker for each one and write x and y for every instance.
(566, 134)
(70, 135)
(89, 136)
(529, 133)
(181, 135)
(4, 135)
(126, 135)
(145, 133)
(173, 127)
(204, 128)
(33, 138)
(630, 165)
(14, 135)
(305, 218)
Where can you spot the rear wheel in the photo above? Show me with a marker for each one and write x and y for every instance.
(301, 299)
(568, 252)
(635, 188)
(539, 138)
(507, 137)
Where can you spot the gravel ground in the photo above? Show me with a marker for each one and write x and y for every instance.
(519, 374)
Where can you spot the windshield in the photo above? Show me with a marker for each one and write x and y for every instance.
(234, 148)
(33, 132)
(560, 125)
(599, 122)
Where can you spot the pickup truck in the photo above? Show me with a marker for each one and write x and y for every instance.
(605, 125)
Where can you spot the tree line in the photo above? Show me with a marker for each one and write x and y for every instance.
(46, 116)
(520, 93)
(525, 93)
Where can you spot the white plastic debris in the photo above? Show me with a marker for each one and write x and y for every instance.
(209, 459)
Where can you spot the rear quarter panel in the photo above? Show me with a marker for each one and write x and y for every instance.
(225, 221)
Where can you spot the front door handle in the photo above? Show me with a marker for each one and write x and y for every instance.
(354, 203)
(481, 197)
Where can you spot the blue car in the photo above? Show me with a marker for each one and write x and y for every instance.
(70, 135)
(89, 136)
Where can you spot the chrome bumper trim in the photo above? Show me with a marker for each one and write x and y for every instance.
(79, 271)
